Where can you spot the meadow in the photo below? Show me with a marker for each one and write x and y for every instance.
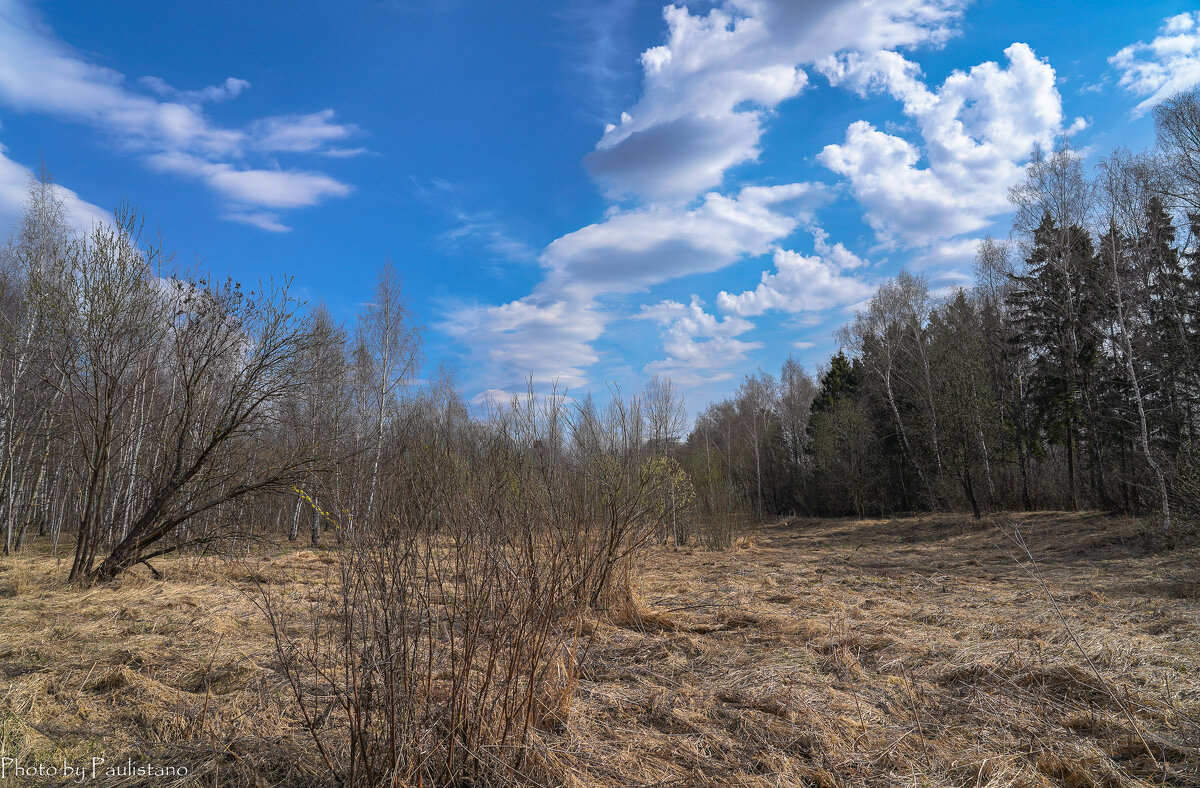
(925, 650)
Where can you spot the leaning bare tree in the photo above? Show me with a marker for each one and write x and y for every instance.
(170, 387)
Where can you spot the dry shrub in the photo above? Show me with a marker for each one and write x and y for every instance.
(717, 531)
(445, 648)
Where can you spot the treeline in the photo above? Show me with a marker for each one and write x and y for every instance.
(145, 408)
(1068, 376)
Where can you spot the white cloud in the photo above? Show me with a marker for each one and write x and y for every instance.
(548, 339)
(1167, 65)
(39, 73)
(700, 347)
(946, 282)
(947, 254)
(631, 250)
(263, 220)
(266, 188)
(676, 158)
(976, 130)
(706, 90)
(312, 133)
(232, 87)
(799, 284)
(550, 332)
(706, 96)
(494, 398)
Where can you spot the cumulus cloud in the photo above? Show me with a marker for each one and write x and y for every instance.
(707, 94)
(631, 250)
(39, 73)
(546, 338)
(700, 347)
(675, 158)
(976, 130)
(799, 283)
(706, 91)
(958, 252)
(550, 332)
(1168, 64)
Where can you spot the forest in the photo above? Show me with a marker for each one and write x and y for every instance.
(155, 418)
(1066, 377)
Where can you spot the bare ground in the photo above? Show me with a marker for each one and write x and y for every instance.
(905, 652)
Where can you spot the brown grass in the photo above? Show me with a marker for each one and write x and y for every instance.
(909, 652)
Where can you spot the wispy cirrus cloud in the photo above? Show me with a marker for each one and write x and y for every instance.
(483, 229)
(168, 127)
(231, 87)
(316, 132)
(598, 46)
(472, 229)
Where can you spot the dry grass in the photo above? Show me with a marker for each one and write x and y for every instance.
(828, 653)
(177, 671)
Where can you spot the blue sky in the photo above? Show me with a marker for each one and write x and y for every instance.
(589, 191)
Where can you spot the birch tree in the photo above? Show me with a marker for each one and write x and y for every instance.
(391, 344)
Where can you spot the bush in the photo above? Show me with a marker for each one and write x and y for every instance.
(445, 646)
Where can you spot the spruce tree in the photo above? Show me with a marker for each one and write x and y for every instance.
(1053, 306)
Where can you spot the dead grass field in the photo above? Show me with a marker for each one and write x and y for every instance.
(906, 652)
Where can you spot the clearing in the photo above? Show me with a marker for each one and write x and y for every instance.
(902, 652)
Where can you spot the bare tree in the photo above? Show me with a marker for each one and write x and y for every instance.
(1128, 184)
(33, 260)
(1177, 124)
(391, 344)
(877, 337)
(916, 306)
(756, 408)
(170, 389)
(664, 411)
(319, 418)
